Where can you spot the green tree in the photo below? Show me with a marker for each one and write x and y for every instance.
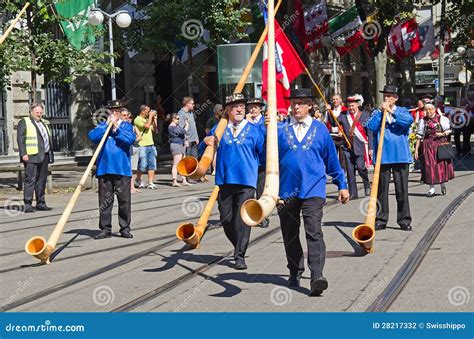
(39, 47)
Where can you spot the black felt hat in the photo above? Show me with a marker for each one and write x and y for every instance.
(389, 89)
(300, 93)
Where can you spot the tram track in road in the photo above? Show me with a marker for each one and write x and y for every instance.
(131, 305)
(195, 194)
(383, 302)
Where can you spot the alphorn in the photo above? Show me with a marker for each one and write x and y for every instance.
(191, 234)
(364, 234)
(10, 28)
(330, 110)
(254, 211)
(37, 246)
(189, 166)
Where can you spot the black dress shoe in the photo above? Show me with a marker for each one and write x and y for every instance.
(293, 282)
(379, 227)
(240, 264)
(406, 227)
(318, 285)
(443, 190)
(28, 209)
(354, 197)
(43, 208)
(430, 194)
(103, 234)
(126, 234)
(264, 223)
(367, 191)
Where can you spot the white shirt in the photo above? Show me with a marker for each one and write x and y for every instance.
(304, 127)
(240, 127)
(257, 119)
(444, 122)
(390, 118)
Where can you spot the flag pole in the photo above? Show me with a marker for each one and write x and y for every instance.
(9, 29)
(330, 110)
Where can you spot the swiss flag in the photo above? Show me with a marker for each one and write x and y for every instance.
(404, 40)
(288, 67)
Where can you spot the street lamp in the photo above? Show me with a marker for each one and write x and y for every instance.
(462, 51)
(123, 20)
(333, 43)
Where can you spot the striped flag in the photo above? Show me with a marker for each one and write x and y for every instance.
(316, 24)
(347, 27)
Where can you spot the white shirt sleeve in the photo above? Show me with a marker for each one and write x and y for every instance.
(420, 131)
(445, 124)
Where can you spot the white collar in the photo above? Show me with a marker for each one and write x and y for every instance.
(307, 121)
(240, 125)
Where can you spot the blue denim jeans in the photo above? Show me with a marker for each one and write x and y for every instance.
(147, 158)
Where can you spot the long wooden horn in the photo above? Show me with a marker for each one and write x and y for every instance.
(330, 110)
(189, 166)
(37, 246)
(10, 28)
(191, 234)
(364, 234)
(254, 211)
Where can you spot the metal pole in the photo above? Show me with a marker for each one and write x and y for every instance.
(112, 61)
(334, 70)
(441, 48)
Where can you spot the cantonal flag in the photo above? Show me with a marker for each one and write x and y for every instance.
(404, 40)
(316, 24)
(288, 67)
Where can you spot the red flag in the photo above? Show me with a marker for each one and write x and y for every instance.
(404, 40)
(288, 67)
(298, 23)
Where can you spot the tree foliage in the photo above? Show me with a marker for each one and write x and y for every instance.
(168, 26)
(36, 48)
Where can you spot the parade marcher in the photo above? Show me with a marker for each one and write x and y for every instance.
(306, 154)
(433, 131)
(35, 146)
(337, 107)
(396, 157)
(147, 152)
(176, 138)
(254, 115)
(353, 122)
(192, 138)
(238, 155)
(114, 171)
(418, 113)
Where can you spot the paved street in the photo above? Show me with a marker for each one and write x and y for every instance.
(124, 270)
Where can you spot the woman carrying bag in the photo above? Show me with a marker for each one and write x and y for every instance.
(436, 154)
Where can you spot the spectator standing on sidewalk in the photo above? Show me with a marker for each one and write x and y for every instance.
(147, 151)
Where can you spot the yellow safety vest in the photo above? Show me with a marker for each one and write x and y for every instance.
(32, 137)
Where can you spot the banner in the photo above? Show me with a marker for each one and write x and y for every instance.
(75, 27)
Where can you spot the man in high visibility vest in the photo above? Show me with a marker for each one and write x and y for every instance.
(36, 151)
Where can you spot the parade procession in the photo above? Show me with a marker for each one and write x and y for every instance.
(264, 162)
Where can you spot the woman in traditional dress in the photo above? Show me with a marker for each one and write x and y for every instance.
(433, 131)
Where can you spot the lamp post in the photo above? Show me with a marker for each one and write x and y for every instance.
(123, 20)
(333, 43)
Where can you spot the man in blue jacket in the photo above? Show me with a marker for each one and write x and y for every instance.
(114, 171)
(396, 157)
(306, 155)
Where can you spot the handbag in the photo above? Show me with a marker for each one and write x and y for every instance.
(445, 151)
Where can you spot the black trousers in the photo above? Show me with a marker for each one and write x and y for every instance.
(353, 163)
(466, 140)
(110, 184)
(229, 200)
(289, 214)
(400, 179)
(260, 181)
(35, 181)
